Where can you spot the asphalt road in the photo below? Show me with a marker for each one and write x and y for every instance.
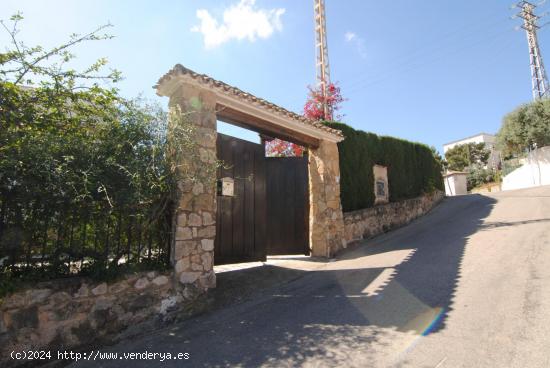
(465, 286)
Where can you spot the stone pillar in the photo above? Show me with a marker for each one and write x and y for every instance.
(326, 228)
(195, 228)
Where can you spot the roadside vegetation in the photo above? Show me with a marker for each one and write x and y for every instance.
(472, 158)
(86, 179)
(524, 129)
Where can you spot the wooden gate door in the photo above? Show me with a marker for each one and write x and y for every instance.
(241, 218)
(287, 205)
(268, 211)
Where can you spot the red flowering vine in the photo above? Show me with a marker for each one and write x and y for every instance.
(314, 107)
(314, 110)
(280, 148)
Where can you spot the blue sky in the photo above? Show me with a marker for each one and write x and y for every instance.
(430, 71)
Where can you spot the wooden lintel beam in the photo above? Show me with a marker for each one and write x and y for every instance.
(265, 127)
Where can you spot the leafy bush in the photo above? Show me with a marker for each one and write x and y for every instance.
(412, 167)
(79, 195)
(462, 156)
(86, 183)
(478, 175)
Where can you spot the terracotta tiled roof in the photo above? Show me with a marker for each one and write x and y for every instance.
(224, 87)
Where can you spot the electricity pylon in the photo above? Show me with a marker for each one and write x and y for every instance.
(541, 87)
(321, 53)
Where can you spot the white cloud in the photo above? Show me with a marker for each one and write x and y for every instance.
(358, 42)
(350, 36)
(240, 21)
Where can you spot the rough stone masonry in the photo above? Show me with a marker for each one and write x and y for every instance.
(369, 222)
(193, 248)
(326, 218)
(78, 313)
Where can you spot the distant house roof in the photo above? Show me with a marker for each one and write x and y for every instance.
(451, 173)
(224, 88)
(463, 139)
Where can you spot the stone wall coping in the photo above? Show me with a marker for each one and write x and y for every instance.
(73, 285)
(382, 206)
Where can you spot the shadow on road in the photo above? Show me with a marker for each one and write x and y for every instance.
(401, 282)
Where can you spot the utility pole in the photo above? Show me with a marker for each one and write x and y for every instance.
(539, 79)
(321, 53)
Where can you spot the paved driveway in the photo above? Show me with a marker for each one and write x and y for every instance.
(465, 286)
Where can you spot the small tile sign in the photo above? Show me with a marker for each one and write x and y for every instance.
(381, 192)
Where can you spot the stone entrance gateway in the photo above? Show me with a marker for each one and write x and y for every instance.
(203, 100)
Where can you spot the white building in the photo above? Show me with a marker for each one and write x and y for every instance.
(455, 183)
(488, 139)
(490, 144)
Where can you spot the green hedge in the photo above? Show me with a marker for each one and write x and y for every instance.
(412, 167)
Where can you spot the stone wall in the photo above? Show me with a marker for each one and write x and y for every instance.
(367, 223)
(76, 314)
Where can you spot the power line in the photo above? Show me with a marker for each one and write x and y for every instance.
(426, 50)
(420, 63)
